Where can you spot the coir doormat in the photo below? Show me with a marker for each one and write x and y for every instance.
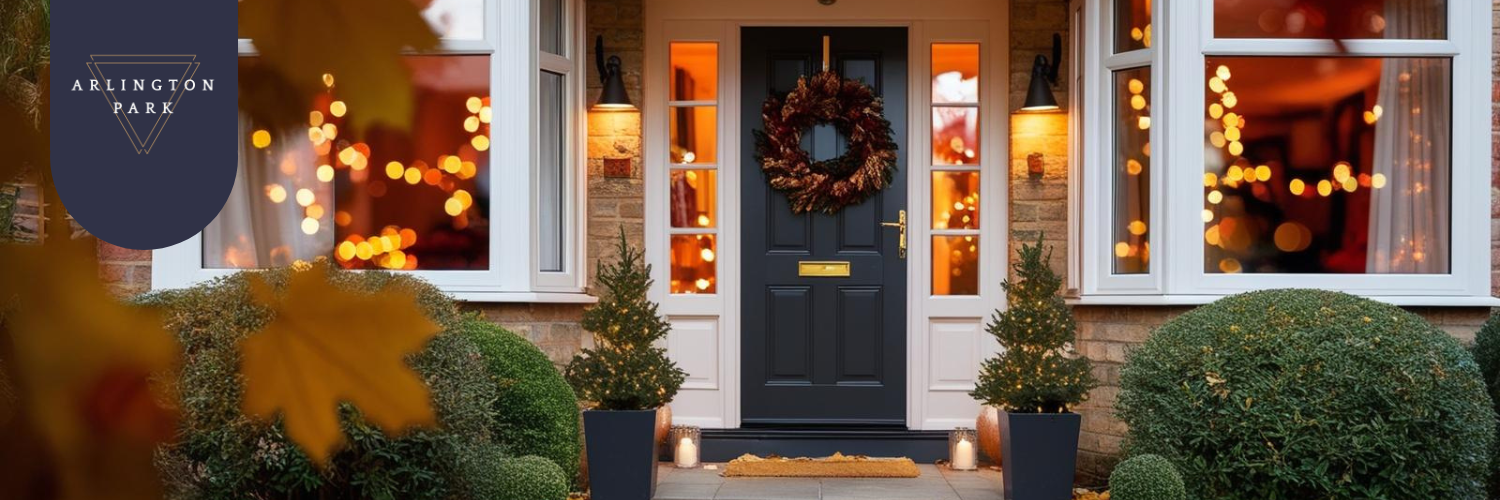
(838, 465)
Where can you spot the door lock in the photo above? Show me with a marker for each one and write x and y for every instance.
(900, 225)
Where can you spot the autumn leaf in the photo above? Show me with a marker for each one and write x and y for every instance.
(358, 41)
(90, 376)
(326, 346)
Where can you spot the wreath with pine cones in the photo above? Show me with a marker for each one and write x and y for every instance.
(868, 164)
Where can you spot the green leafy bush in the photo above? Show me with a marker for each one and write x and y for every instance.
(223, 454)
(1146, 477)
(1291, 394)
(1487, 354)
(523, 478)
(536, 412)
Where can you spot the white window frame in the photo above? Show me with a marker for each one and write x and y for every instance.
(1183, 38)
(511, 40)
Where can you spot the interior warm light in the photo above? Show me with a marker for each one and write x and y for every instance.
(276, 193)
(337, 108)
(261, 139)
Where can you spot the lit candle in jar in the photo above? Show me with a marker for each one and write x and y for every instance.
(687, 453)
(963, 455)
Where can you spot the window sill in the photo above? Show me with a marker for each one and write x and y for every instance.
(1197, 300)
(524, 297)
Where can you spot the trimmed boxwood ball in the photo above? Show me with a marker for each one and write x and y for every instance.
(1487, 354)
(498, 477)
(1295, 394)
(221, 454)
(535, 410)
(1146, 477)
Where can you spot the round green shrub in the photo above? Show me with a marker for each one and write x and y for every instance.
(1487, 354)
(1146, 477)
(221, 454)
(523, 478)
(535, 410)
(1309, 394)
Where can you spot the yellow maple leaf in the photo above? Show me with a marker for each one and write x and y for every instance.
(90, 377)
(327, 345)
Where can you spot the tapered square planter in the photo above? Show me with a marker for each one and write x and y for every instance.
(1040, 452)
(621, 453)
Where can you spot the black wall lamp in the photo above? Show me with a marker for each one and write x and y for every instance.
(1043, 76)
(613, 97)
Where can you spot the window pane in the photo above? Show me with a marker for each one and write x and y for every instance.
(1131, 174)
(456, 19)
(693, 264)
(694, 198)
(551, 172)
(1341, 19)
(955, 136)
(552, 26)
(695, 134)
(695, 71)
(955, 200)
(386, 199)
(955, 72)
(955, 265)
(1327, 165)
(1133, 24)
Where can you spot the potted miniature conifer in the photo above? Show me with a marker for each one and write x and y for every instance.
(1035, 381)
(625, 377)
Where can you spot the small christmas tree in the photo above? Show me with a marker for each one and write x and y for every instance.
(625, 370)
(1039, 372)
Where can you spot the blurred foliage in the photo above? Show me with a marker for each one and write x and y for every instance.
(222, 453)
(25, 38)
(527, 478)
(1486, 351)
(359, 42)
(536, 412)
(1292, 394)
(1146, 477)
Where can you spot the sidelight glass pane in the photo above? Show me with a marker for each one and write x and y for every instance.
(694, 133)
(413, 199)
(693, 257)
(955, 73)
(1339, 19)
(1132, 25)
(551, 172)
(1327, 165)
(695, 198)
(955, 265)
(955, 200)
(1131, 174)
(955, 136)
(695, 71)
(552, 24)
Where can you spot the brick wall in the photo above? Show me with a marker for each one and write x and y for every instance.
(1038, 203)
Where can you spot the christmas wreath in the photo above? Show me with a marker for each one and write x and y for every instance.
(867, 166)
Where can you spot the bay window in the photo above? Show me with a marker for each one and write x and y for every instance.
(1234, 145)
(438, 198)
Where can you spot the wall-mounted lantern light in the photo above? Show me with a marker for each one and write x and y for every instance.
(1043, 76)
(613, 97)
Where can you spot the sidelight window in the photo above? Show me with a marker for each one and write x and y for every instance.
(693, 105)
(955, 168)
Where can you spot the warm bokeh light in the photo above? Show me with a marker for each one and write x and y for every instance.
(691, 272)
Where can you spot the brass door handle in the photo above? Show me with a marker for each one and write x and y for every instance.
(900, 225)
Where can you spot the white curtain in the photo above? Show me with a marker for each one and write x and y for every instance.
(252, 230)
(1409, 216)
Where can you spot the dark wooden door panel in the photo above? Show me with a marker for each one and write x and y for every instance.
(820, 350)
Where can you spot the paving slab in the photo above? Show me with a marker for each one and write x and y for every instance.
(934, 483)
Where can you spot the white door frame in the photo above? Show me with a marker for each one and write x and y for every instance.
(706, 328)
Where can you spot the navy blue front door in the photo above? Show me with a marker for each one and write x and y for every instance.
(822, 350)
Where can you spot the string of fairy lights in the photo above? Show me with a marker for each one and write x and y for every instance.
(390, 248)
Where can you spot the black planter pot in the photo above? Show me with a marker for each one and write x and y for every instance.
(621, 451)
(1040, 452)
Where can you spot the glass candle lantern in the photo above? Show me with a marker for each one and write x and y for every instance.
(963, 449)
(686, 442)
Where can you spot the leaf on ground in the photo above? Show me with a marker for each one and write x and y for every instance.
(327, 345)
(358, 41)
(91, 376)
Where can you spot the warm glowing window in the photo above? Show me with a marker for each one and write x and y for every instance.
(1341, 19)
(1132, 171)
(955, 169)
(1132, 25)
(395, 200)
(693, 135)
(1327, 165)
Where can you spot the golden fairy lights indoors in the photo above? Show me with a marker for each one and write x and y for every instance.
(1343, 19)
(1132, 25)
(1326, 165)
(389, 199)
(1132, 171)
(694, 202)
(955, 169)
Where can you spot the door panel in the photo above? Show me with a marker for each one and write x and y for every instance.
(822, 350)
